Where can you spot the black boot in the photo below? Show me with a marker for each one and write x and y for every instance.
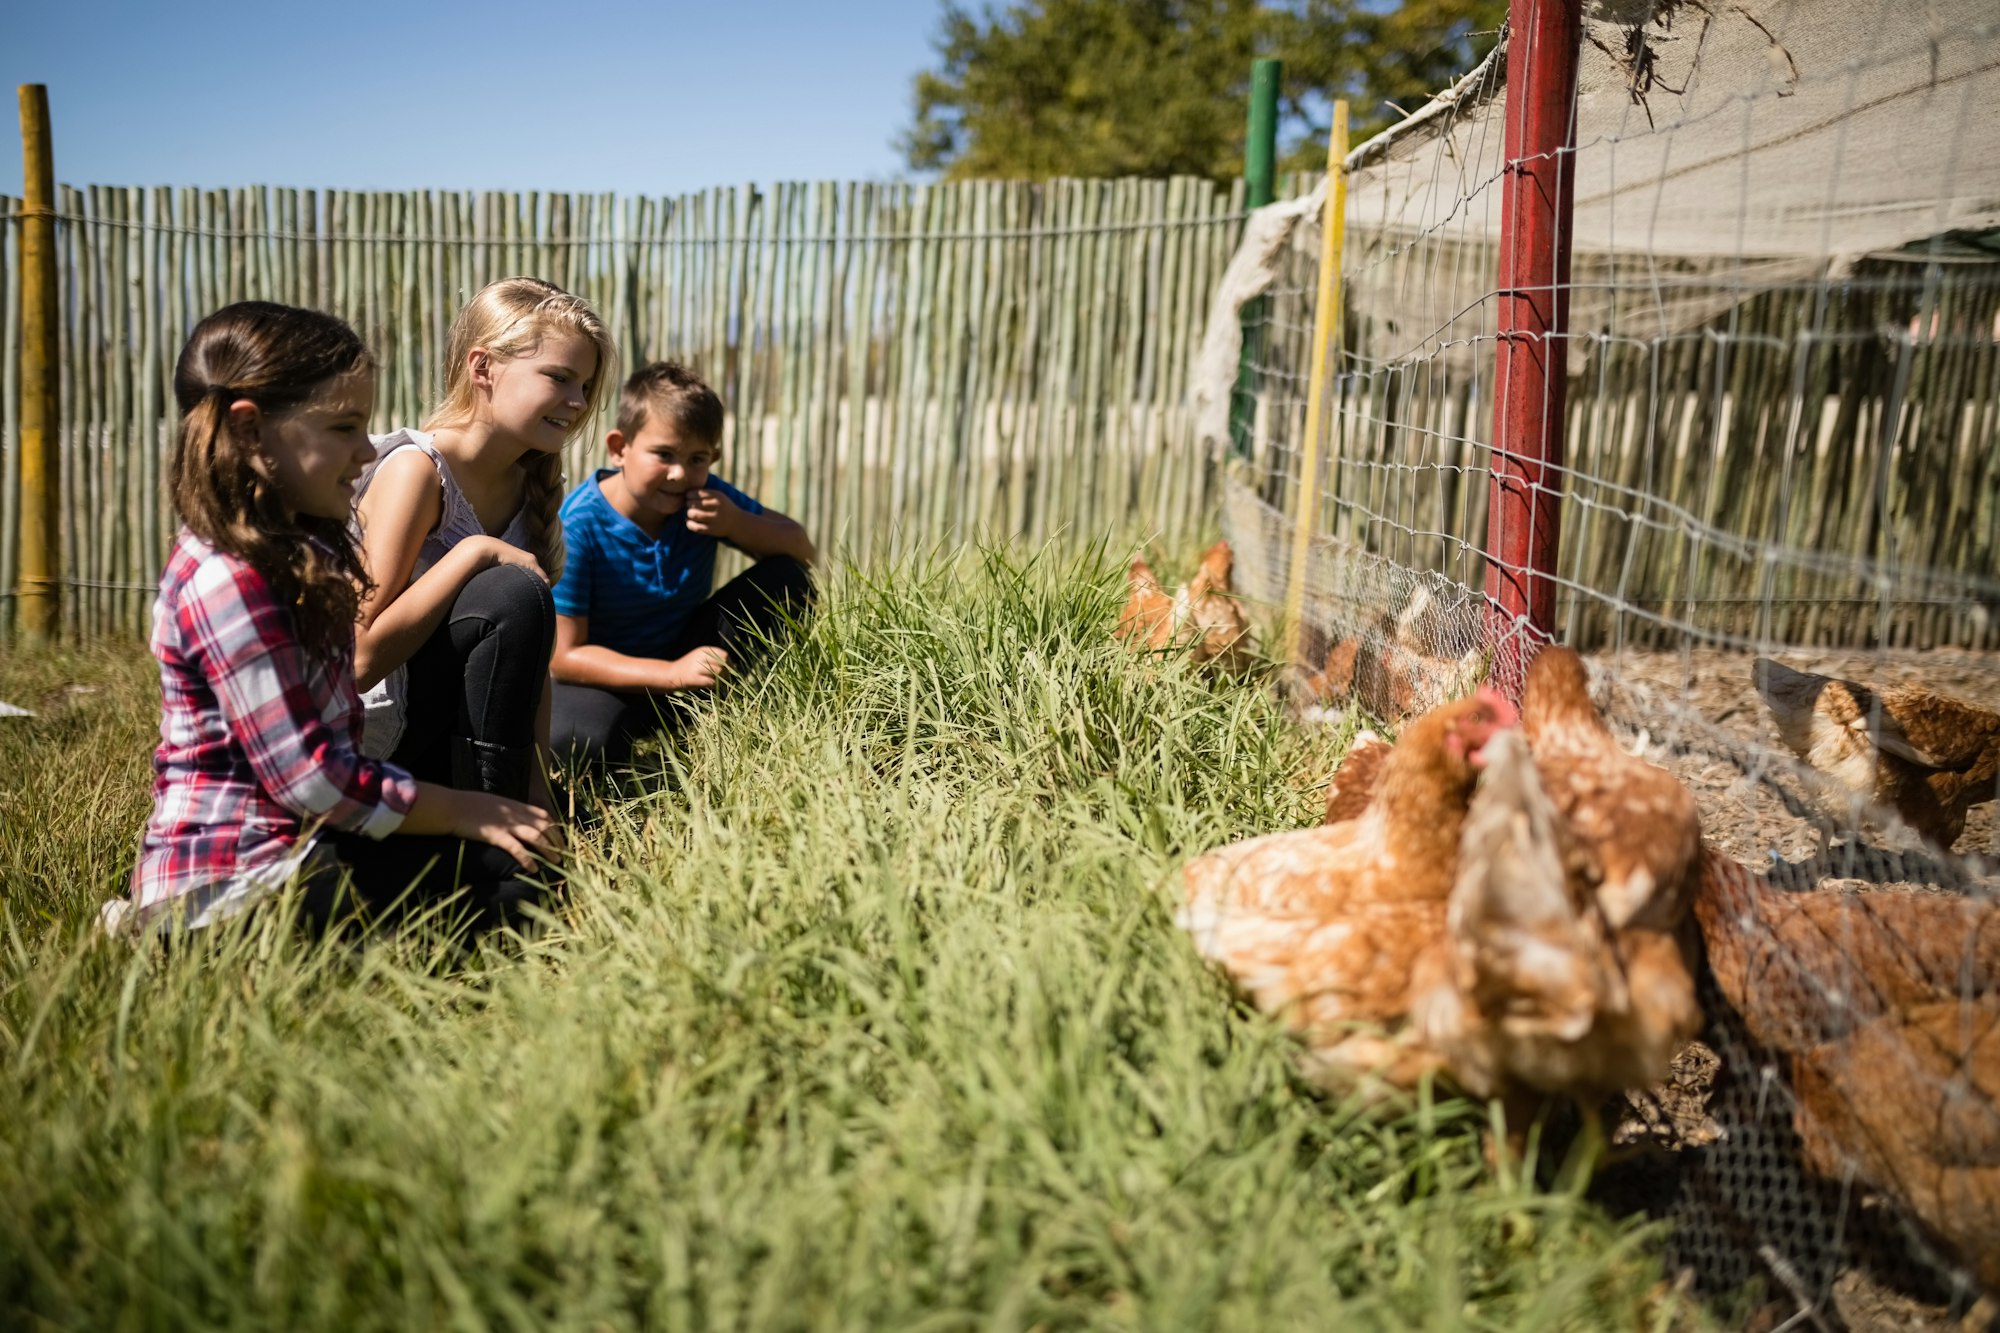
(503, 770)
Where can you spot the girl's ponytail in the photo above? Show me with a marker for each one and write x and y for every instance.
(197, 486)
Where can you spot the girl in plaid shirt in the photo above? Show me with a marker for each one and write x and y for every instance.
(259, 776)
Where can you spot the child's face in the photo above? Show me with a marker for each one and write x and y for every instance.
(661, 465)
(539, 397)
(318, 449)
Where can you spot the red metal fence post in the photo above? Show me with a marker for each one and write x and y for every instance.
(1538, 187)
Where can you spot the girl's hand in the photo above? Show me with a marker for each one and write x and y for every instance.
(491, 551)
(525, 832)
(703, 666)
(713, 514)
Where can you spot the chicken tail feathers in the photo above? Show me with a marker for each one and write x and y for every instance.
(1531, 945)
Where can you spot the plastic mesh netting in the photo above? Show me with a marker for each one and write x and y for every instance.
(1781, 443)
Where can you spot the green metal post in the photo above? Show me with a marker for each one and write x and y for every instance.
(1260, 160)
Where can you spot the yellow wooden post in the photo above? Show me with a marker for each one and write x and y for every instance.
(40, 586)
(1325, 338)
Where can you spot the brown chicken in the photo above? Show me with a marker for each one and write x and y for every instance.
(1911, 1103)
(1323, 925)
(1415, 667)
(1315, 694)
(1803, 968)
(1391, 681)
(1533, 990)
(1885, 1011)
(1633, 849)
(1636, 819)
(1389, 668)
(1148, 618)
(1349, 668)
(1201, 615)
(1524, 961)
(1335, 678)
(1537, 987)
(1927, 756)
(1353, 784)
(1215, 615)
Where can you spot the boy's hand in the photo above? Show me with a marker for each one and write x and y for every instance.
(703, 666)
(713, 514)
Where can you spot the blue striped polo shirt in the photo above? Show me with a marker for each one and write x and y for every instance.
(638, 591)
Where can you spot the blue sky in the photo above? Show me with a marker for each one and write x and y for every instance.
(619, 95)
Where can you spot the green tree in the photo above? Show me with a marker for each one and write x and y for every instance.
(1156, 87)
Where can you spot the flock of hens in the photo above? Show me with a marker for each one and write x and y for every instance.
(1512, 904)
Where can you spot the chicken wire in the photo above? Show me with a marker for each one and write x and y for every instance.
(1780, 441)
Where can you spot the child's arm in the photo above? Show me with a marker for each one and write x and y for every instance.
(246, 648)
(581, 662)
(711, 512)
(401, 507)
(578, 661)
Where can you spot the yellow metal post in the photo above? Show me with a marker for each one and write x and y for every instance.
(41, 551)
(1325, 338)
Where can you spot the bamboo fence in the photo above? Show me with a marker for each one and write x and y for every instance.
(1817, 462)
(905, 365)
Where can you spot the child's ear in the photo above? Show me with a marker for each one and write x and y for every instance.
(243, 419)
(614, 442)
(479, 364)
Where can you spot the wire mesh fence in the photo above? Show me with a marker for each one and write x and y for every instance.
(1777, 456)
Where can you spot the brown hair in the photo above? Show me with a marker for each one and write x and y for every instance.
(509, 318)
(223, 485)
(678, 394)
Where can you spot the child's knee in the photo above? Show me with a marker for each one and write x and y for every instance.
(587, 726)
(515, 601)
(512, 588)
(787, 579)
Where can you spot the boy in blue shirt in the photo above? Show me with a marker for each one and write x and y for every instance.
(635, 623)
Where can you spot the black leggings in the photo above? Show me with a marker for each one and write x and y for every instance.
(470, 885)
(745, 614)
(479, 676)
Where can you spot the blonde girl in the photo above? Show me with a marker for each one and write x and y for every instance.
(460, 535)
(259, 776)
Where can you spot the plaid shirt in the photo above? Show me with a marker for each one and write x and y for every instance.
(260, 744)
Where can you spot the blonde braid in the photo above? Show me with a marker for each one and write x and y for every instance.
(541, 501)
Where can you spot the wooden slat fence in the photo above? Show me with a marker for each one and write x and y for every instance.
(905, 365)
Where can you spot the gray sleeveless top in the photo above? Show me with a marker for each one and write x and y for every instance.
(383, 705)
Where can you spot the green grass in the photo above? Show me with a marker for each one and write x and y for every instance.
(869, 1014)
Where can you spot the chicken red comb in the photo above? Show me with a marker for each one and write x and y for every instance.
(1502, 707)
